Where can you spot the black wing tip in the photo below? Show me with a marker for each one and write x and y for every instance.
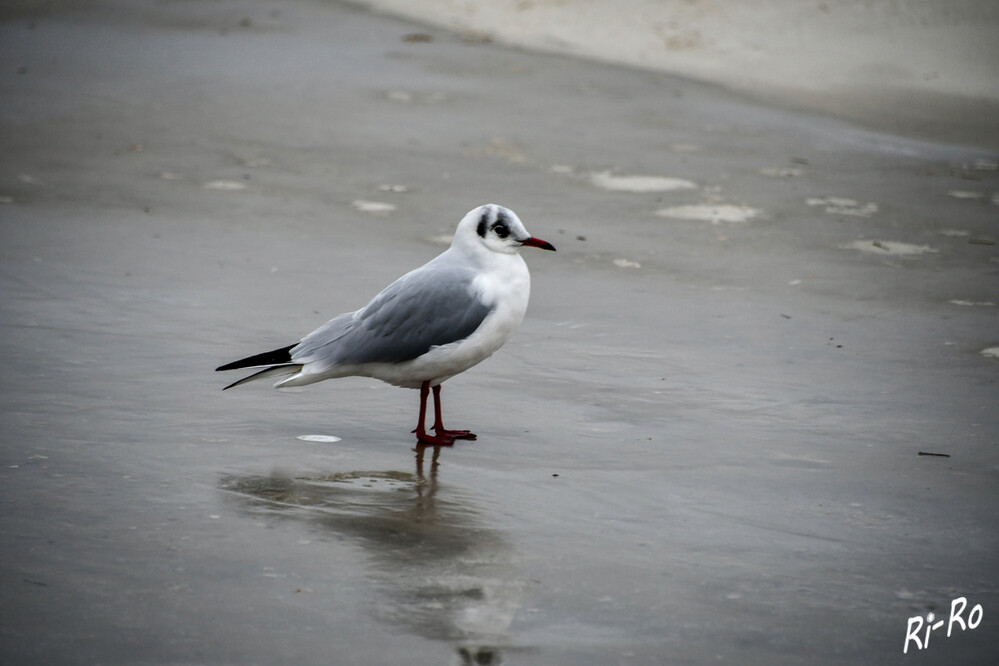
(235, 383)
(283, 369)
(274, 357)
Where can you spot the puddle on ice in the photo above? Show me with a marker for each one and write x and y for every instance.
(414, 97)
(225, 185)
(714, 213)
(626, 263)
(607, 181)
(844, 206)
(372, 206)
(972, 304)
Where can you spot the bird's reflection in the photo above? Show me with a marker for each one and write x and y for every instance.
(445, 574)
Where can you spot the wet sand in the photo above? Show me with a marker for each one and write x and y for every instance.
(704, 444)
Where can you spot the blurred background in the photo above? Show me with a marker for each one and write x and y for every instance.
(927, 68)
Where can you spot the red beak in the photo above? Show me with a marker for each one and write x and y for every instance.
(537, 242)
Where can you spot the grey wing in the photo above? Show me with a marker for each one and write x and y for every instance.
(420, 310)
(321, 344)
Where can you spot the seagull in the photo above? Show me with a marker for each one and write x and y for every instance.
(428, 326)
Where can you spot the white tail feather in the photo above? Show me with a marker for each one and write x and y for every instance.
(273, 371)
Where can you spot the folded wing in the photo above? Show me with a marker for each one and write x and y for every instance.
(419, 311)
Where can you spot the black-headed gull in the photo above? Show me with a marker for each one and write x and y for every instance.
(429, 325)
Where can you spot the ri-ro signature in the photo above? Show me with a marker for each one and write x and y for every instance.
(919, 630)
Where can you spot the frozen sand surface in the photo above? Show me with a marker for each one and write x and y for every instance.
(703, 445)
(926, 67)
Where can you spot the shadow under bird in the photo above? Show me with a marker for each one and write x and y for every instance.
(426, 327)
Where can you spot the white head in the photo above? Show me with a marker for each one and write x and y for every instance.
(497, 229)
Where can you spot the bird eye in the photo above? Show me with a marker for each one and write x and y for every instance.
(501, 230)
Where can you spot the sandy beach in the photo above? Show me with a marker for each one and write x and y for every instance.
(921, 68)
(750, 416)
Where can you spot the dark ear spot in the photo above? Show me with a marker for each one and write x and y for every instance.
(500, 227)
(481, 228)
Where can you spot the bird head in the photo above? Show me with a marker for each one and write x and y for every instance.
(498, 229)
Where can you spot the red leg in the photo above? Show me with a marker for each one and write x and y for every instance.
(439, 439)
(439, 425)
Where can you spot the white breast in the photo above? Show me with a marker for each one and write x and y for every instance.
(508, 287)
